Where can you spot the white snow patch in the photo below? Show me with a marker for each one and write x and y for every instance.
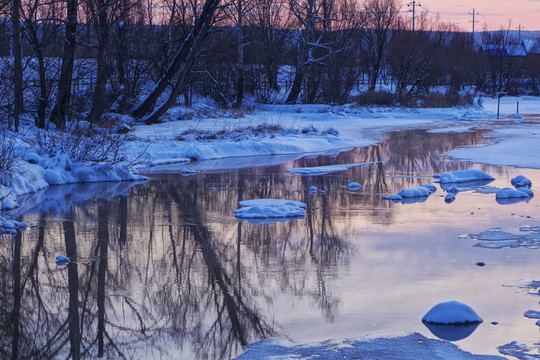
(270, 209)
(451, 313)
(404, 347)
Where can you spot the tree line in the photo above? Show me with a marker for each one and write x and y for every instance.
(67, 61)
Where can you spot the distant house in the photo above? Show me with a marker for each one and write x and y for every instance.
(504, 50)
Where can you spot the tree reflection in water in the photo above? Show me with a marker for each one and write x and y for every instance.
(169, 272)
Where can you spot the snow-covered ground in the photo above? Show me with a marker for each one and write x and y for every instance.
(516, 141)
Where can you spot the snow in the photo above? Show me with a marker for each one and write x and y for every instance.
(508, 193)
(321, 170)
(463, 176)
(404, 347)
(353, 186)
(451, 313)
(498, 239)
(270, 209)
(415, 193)
(521, 181)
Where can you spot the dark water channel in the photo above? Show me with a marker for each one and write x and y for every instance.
(163, 269)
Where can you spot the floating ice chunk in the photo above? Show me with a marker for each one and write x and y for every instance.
(461, 176)
(532, 314)
(497, 235)
(321, 170)
(449, 198)
(521, 181)
(312, 189)
(415, 192)
(452, 313)
(188, 172)
(509, 193)
(353, 186)
(62, 258)
(269, 209)
(497, 244)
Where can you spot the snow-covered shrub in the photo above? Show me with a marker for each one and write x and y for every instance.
(8, 154)
(86, 144)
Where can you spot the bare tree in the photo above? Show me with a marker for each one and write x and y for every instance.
(60, 111)
(313, 20)
(179, 68)
(381, 17)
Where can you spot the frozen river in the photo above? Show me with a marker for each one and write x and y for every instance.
(163, 269)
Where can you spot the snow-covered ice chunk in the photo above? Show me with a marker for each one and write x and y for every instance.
(62, 258)
(452, 313)
(418, 191)
(521, 181)
(462, 176)
(353, 186)
(449, 198)
(270, 209)
(509, 193)
(321, 170)
(497, 235)
(312, 189)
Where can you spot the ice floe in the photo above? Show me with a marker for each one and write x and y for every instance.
(412, 195)
(498, 239)
(270, 209)
(321, 170)
(464, 176)
(521, 181)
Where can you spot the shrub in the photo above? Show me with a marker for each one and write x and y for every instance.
(381, 98)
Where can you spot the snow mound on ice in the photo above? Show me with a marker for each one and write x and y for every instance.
(509, 193)
(269, 209)
(461, 176)
(452, 312)
(521, 181)
(415, 192)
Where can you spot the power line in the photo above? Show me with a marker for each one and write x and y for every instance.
(414, 4)
(474, 21)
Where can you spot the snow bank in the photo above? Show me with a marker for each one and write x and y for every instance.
(270, 209)
(463, 176)
(451, 313)
(37, 172)
(406, 347)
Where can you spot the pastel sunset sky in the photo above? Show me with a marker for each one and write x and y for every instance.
(493, 13)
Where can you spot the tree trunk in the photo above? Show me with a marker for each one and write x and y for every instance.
(17, 62)
(240, 61)
(60, 111)
(99, 97)
(182, 63)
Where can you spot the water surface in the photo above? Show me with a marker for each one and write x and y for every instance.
(163, 269)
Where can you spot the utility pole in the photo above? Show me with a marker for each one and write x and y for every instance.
(474, 21)
(414, 4)
(519, 33)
